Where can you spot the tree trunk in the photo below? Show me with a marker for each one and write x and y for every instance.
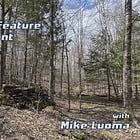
(62, 61)
(2, 46)
(108, 82)
(25, 57)
(68, 78)
(127, 79)
(52, 53)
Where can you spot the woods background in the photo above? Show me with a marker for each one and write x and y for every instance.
(78, 54)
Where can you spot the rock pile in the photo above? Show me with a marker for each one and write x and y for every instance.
(24, 97)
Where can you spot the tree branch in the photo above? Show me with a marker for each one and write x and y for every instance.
(7, 10)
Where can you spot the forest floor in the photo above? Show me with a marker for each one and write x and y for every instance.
(18, 124)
